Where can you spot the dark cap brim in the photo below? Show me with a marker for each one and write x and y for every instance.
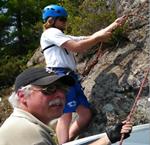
(66, 79)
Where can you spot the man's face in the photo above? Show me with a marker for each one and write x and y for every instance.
(46, 103)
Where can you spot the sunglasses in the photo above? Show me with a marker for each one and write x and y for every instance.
(50, 90)
(63, 19)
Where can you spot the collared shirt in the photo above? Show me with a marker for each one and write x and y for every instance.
(22, 128)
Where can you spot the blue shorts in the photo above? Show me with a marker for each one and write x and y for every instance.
(75, 95)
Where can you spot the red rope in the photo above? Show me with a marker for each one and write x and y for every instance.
(135, 103)
(88, 68)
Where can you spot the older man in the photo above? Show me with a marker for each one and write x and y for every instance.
(39, 97)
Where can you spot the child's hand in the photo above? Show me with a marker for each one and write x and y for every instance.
(121, 20)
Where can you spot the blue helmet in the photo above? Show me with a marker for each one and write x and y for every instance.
(53, 11)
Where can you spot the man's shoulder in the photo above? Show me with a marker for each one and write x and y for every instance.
(13, 123)
(23, 133)
(18, 128)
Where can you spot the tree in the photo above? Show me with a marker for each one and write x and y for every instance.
(21, 17)
(20, 30)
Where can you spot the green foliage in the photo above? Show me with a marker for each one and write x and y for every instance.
(20, 30)
(118, 36)
(19, 22)
(10, 67)
(89, 17)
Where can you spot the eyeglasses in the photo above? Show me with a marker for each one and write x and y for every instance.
(50, 90)
(63, 19)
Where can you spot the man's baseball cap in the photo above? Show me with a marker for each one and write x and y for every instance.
(40, 77)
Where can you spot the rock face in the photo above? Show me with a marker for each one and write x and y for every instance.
(113, 83)
(36, 59)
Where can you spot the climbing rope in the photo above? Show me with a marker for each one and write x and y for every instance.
(88, 68)
(129, 117)
(133, 109)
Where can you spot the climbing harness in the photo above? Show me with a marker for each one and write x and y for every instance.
(42, 51)
(133, 109)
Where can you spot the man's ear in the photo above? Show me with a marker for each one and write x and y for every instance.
(22, 98)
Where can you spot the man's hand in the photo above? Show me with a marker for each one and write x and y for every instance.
(114, 133)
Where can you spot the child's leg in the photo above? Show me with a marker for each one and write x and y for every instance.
(84, 117)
